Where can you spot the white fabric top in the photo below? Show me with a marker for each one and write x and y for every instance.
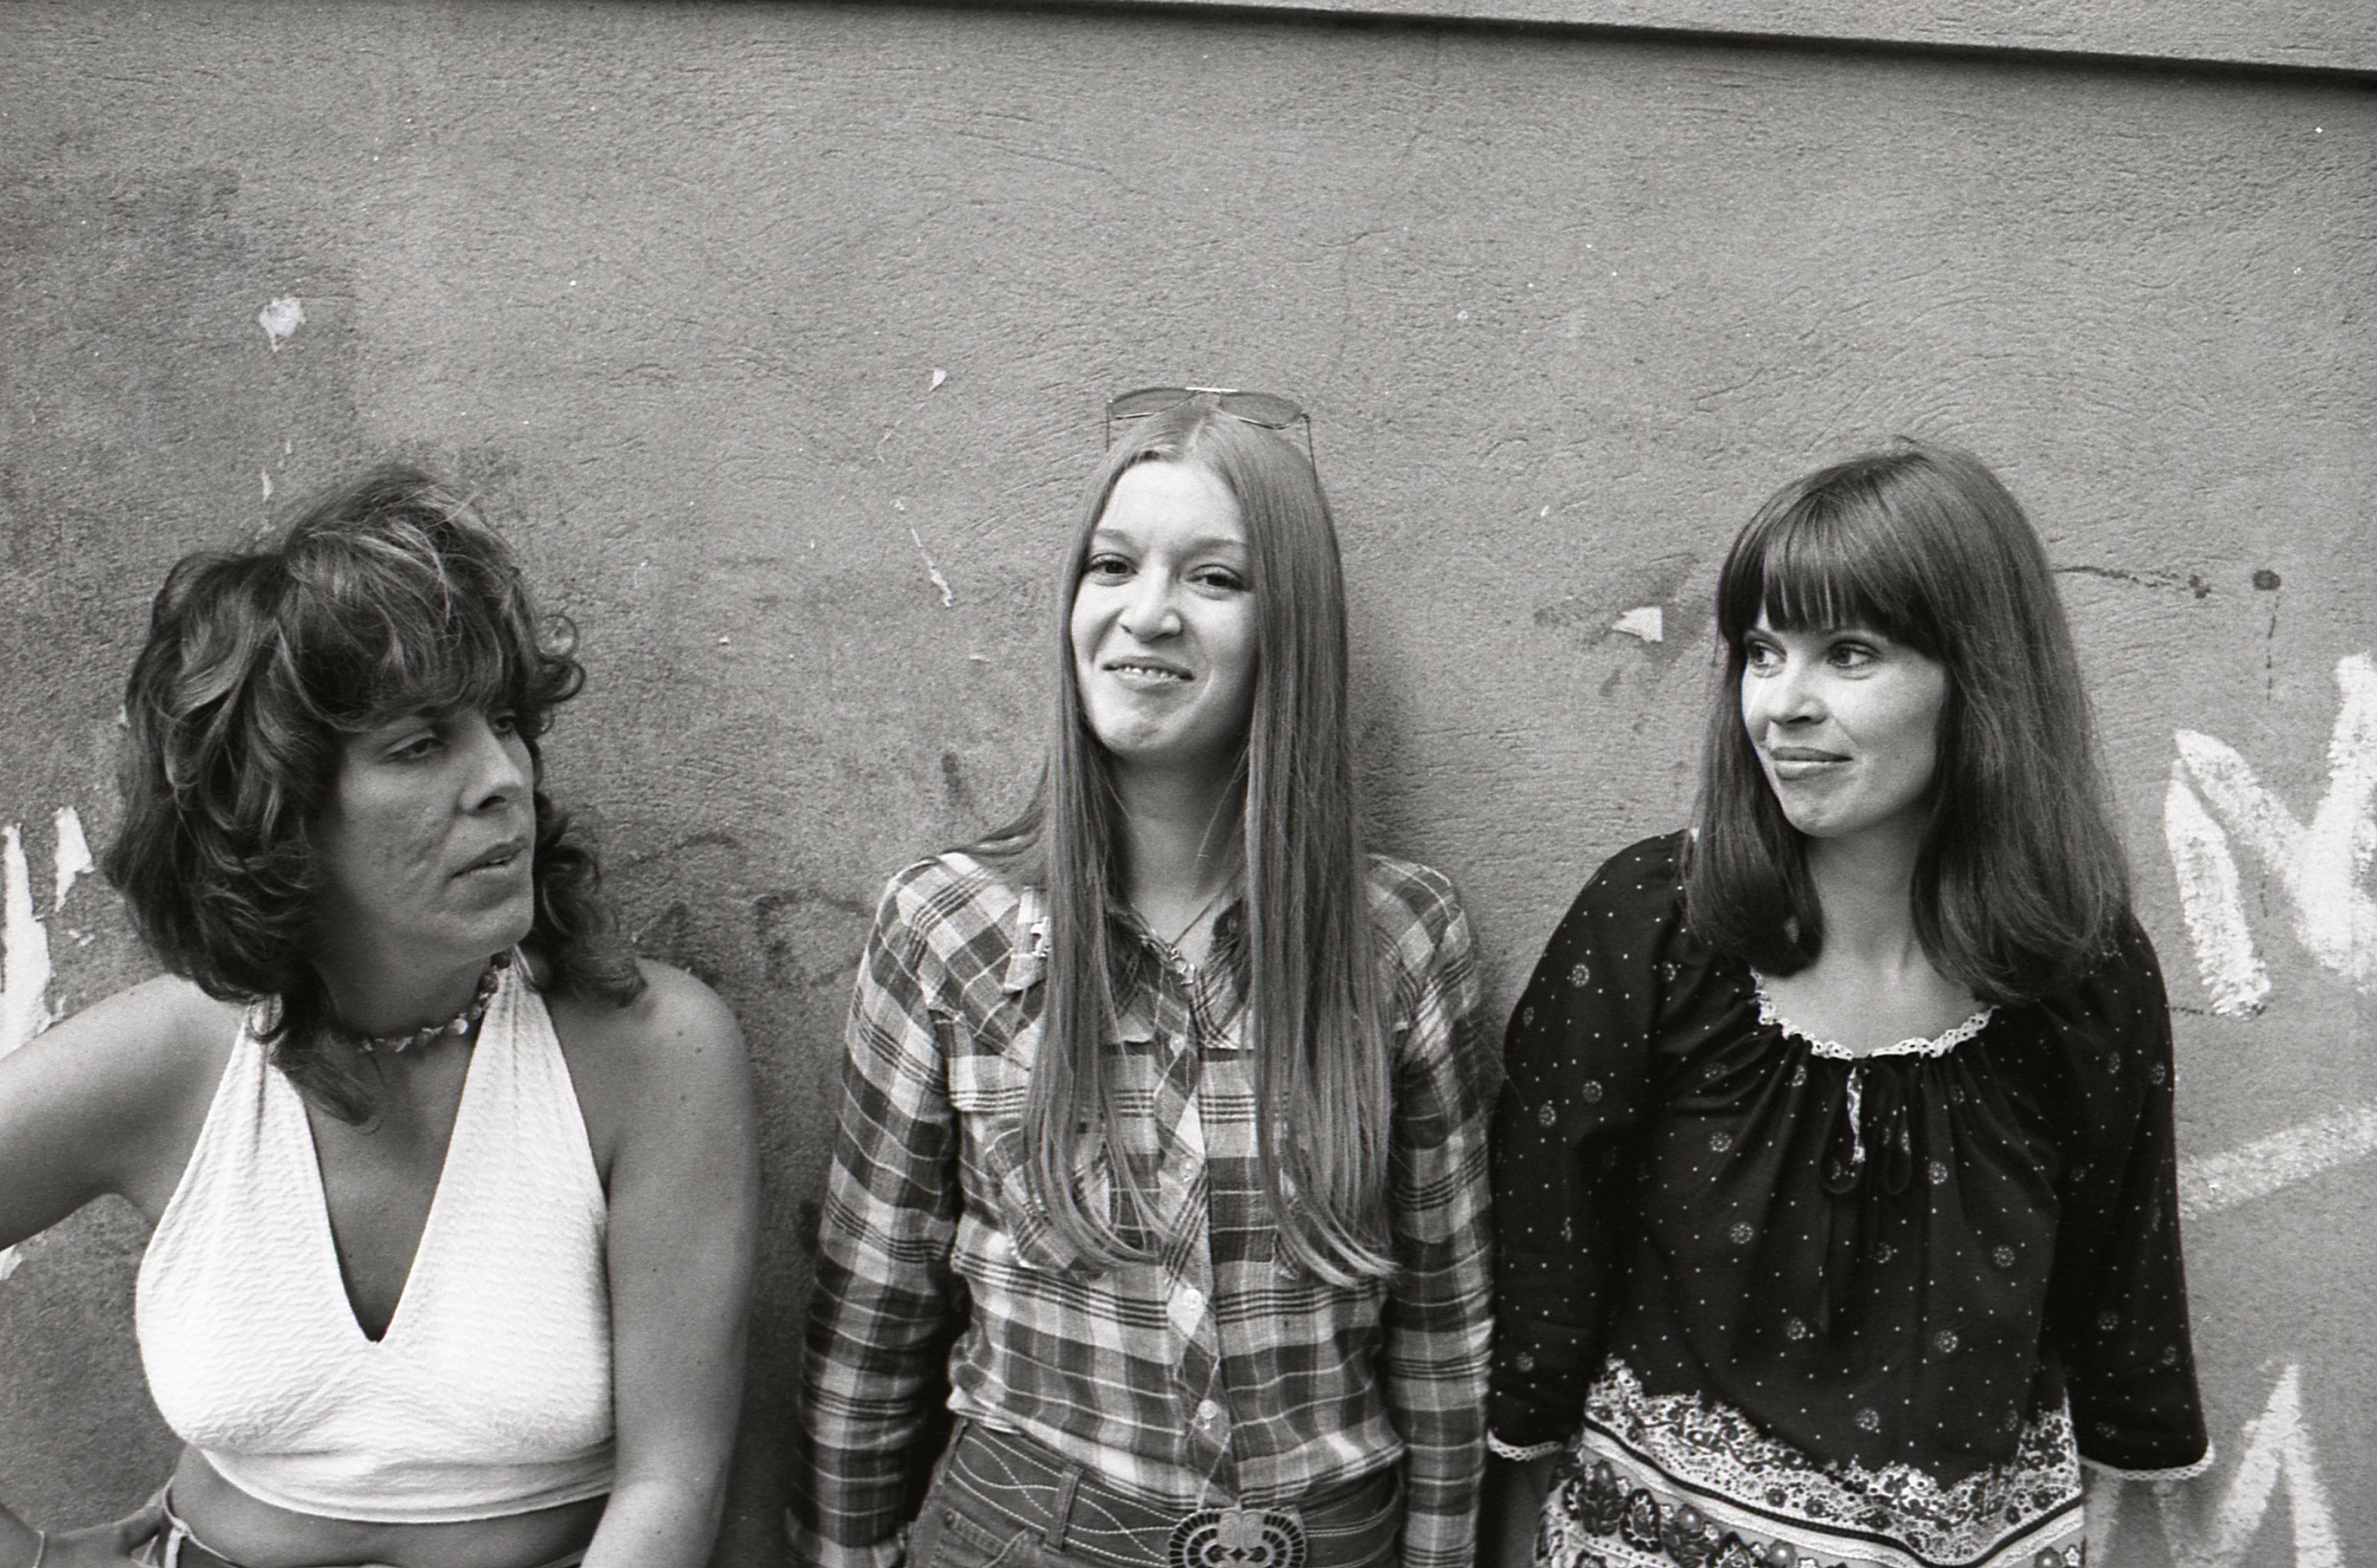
(490, 1393)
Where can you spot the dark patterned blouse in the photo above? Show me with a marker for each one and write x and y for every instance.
(1902, 1261)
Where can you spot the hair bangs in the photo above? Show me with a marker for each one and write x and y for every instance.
(1821, 562)
(2020, 884)
(419, 618)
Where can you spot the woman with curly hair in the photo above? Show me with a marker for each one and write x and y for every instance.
(1834, 1175)
(1163, 1138)
(452, 1195)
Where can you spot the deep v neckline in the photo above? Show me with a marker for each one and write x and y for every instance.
(327, 1235)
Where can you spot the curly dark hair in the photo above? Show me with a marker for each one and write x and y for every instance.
(387, 595)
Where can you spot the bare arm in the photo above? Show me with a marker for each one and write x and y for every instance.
(109, 1101)
(667, 1079)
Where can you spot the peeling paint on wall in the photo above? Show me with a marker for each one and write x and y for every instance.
(24, 948)
(73, 854)
(949, 595)
(25, 971)
(1649, 622)
(281, 320)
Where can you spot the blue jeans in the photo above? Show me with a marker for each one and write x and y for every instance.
(999, 1500)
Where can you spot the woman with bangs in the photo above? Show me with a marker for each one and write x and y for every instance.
(1162, 1138)
(1834, 1172)
(452, 1195)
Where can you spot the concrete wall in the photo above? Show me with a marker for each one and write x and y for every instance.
(776, 337)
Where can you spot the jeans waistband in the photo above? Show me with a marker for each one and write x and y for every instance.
(1074, 1513)
(176, 1546)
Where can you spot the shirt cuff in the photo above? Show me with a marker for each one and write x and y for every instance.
(2182, 1473)
(813, 1551)
(1533, 1451)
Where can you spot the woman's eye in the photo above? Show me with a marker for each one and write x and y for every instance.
(1222, 578)
(504, 724)
(412, 750)
(1107, 568)
(1855, 656)
(1761, 656)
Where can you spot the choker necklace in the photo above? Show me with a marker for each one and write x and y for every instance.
(459, 1024)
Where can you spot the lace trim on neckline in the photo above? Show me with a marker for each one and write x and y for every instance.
(1938, 1045)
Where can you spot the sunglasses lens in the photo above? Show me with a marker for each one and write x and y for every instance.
(1147, 400)
(1265, 409)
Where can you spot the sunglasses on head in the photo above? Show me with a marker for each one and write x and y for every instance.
(1268, 410)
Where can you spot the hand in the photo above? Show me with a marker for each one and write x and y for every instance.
(105, 1546)
(1513, 1496)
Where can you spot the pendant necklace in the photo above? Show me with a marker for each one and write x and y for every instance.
(1194, 920)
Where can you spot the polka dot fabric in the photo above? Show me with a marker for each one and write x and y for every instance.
(1903, 1259)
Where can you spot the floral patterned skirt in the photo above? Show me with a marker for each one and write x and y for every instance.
(1678, 1481)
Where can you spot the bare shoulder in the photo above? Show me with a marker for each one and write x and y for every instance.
(156, 1044)
(670, 1062)
(112, 1100)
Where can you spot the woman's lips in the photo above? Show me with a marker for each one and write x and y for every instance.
(1794, 763)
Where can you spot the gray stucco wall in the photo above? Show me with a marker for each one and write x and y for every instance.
(776, 337)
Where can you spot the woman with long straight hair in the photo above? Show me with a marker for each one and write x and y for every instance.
(1165, 1102)
(1837, 1210)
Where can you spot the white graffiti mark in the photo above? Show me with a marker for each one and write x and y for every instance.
(2103, 1513)
(2214, 904)
(2212, 1182)
(2275, 1446)
(2321, 865)
(280, 319)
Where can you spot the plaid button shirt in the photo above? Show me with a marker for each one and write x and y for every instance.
(1217, 1370)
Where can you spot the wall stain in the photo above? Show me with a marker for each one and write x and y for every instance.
(2196, 585)
(709, 838)
(953, 783)
(808, 937)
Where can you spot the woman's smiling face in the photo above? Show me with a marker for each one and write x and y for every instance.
(1846, 721)
(1162, 623)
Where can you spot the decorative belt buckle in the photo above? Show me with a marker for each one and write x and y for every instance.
(1238, 1538)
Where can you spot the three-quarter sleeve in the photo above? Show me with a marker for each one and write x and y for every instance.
(2117, 1310)
(1577, 1085)
(1438, 1319)
(885, 1298)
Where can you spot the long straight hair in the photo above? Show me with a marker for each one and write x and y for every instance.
(2020, 883)
(1322, 1069)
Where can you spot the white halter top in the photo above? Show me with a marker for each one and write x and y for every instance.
(490, 1393)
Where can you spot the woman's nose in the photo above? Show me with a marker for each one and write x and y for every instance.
(1785, 696)
(500, 770)
(1149, 613)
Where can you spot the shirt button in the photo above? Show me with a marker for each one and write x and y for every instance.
(1208, 1412)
